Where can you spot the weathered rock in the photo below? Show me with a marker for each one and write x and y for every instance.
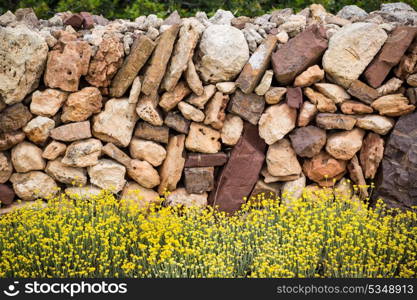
(82, 153)
(171, 169)
(68, 175)
(140, 51)
(9, 139)
(205, 159)
(265, 83)
(106, 62)
(412, 80)
(344, 145)
(227, 87)
(143, 173)
(200, 101)
(393, 105)
(323, 104)
(390, 87)
(115, 124)
(177, 122)
(159, 60)
(390, 55)
(170, 99)
(147, 131)
(248, 106)
(356, 174)
(407, 63)
(276, 122)
(222, 53)
(74, 20)
(294, 97)
(371, 154)
(72, 132)
(335, 121)
(65, 66)
(6, 194)
(27, 157)
(87, 192)
(108, 174)
(299, 53)
(256, 66)
(378, 124)
(362, 91)
(38, 129)
(281, 160)
(190, 112)
(202, 139)
(14, 117)
(312, 75)
(135, 90)
(307, 113)
(53, 150)
(48, 102)
(350, 51)
(140, 195)
(116, 154)
(231, 130)
(352, 13)
(182, 198)
(22, 63)
(238, 178)
(33, 185)
(275, 94)
(81, 105)
(333, 91)
(308, 141)
(215, 111)
(7, 18)
(199, 180)
(355, 107)
(323, 168)
(6, 167)
(292, 190)
(147, 150)
(193, 80)
(188, 37)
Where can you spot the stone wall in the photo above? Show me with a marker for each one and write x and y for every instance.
(211, 109)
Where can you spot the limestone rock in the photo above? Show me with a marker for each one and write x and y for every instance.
(215, 111)
(265, 83)
(88, 192)
(335, 121)
(390, 87)
(344, 145)
(135, 90)
(231, 130)
(193, 80)
(222, 53)
(190, 112)
(72, 132)
(281, 160)
(323, 168)
(275, 94)
(333, 91)
(200, 101)
(378, 124)
(53, 150)
(38, 129)
(308, 141)
(393, 105)
(276, 122)
(248, 106)
(371, 154)
(199, 180)
(181, 197)
(33, 185)
(356, 174)
(352, 13)
(27, 157)
(355, 107)
(312, 75)
(143, 173)
(202, 139)
(140, 195)
(307, 113)
(265, 190)
(81, 105)
(170, 99)
(116, 154)
(68, 175)
(14, 117)
(48, 102)
(150, 151)
(22, 63)
(227, 87)
(324, 104)
(83, 153)
(108, 174)
(147, 131)
(148, 111)
(6, 167)
(9, 139)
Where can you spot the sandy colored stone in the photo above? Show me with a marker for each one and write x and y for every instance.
(199, 180)
(47, 103)
(355, 107)
(72, 132)
(135, 90)
(394, 105)
(335, 121)
(276, 122)
(356, 174)
(53, 150)
(202, 139)
(378, 124)
(307, 113)
(147, 150)
(68, 175)
(180, 197)
(312, 75)
(148, 111)
(323, 104)
(193, 80)
(116, 154)
(323, 168)
(227, 87)
(231, 130)
(83, 153)
(108, 174)
(38, 129)
(215, 110)
(27, 157)
(275, 94)
(81, 105)
(293, 190)
(265, 83)
(344, 145)
(371, 154)
(143, 173)
(190, 112)
(6, 167)
(200, 101)
(33, 185)
(332, 91)
(390, 87)
(140, 195)
(14, 117)
(9, 139)
(89, 191)
(281, 160)
(169, 100)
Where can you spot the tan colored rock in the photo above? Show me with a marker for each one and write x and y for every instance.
(335, 121)
(147, 131)
(215, 111)
(33, 185)
(356, 173)
(147, 150)
(263, 190)
(89, 191)
(354, 107)
(275, 94)
(307, 113)
(171, 169)
(227, 87)
(333, 91)
(143, 173)
(116, 154)
(378, 124)
(323, 103)
(193, 80)
(281, 160)
(115, 124)
(312, 75)
(140, 195)
(390, 87)
(231, 130)
(83, 153)
(268, 178)
(344, 145)
(48, 102)
(81, 105)
(190, 112)
(159, 60)
(140, 51)
(135, 90)
(27, 157)
(169, 100)
(6, 168)
(182, 198)
(148, 111)
(38, 129)
(108, 174)
(371, 154)
(9, 139)
(393, 105)
(72, 132)
(265, 83)
(293, 190)
(202, 139)
(53, 150)
(276, 122)
(200, 101)
(68, 175)
(105, 63)
(323, 169)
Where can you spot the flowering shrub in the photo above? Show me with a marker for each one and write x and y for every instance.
(317, 236)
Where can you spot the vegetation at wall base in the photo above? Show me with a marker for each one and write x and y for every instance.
(318, 235)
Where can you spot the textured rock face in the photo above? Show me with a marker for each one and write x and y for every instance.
(276, 122)
(6, 168)
(150, 151)
(396, 183)
(393, 105)
(72, 132)
(232, 130)
(68, 175)
(81, 105)
(182, 198)
(199, 180)
(335, 121)
(33, 185)
(170, 99)
(378, 124)
(282, 162)
(83, 153)
(323, 168)
(202, 139)
(48, 102)
(308, 141)
(143, 173)
(23, 55)
(371, 154)
(350, 51)
(38, 129)
(108, 174)
(344, 145)
(27, 157)
(248, 106)
(140, 195)
(14, 117)
(222, 53)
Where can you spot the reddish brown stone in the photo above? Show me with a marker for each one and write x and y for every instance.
(6, 194)
(177, 122)
(147, 131)
(9, 139)
(238, 177)
(74, 20)
(248, 106)
(206, 159)
(88, 20)
(390, 55)
(294, 97)
(323, 168)
(363, 92)
(299, 53)
(199, 180)
(14, 117)
(371, 154)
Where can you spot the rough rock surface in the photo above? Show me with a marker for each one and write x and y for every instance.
(202, 139)
(143, 173)
(68, 175)
(14, 117)
(108, 174)
(140, 195)
(308, 141)
(344, 145)
(371, 154)
(72, 132)
(48, 102)
(378, 124)
(81, 105)
(150, 151)
(282, 162)
(248, 106)
(33, 185)
(6, 168)
(182, 198)
(83, 153)
(323, 168)
(38, 129)
(27, 157)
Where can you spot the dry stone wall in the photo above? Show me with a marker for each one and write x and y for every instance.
(213, 110)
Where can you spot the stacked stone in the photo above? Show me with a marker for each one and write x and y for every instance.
(211, 110)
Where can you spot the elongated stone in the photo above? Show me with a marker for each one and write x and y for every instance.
(147, 131)
(115, 153)
(147, 109)
(248, 106)
(169, 100)
(72, 132)
(206, 159)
